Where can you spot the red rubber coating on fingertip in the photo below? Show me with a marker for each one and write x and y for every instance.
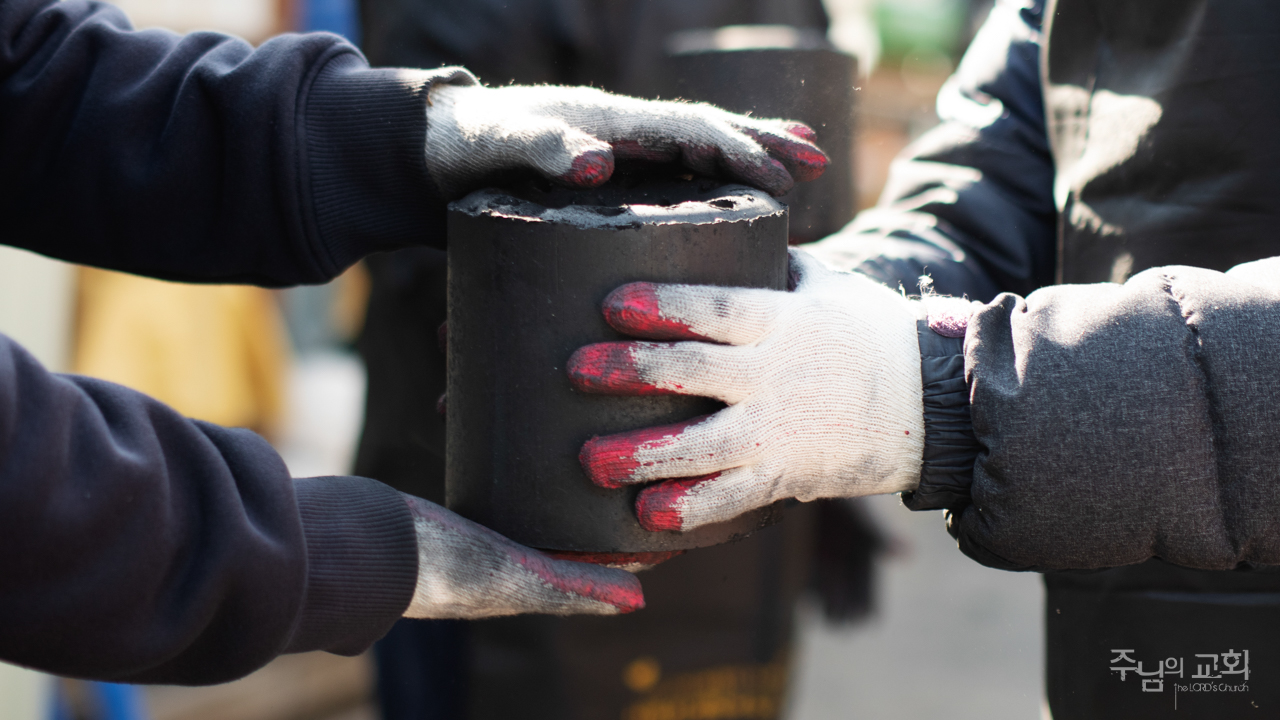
(609, 369)
(590, 169)
(610, 461)
(808, 164)
(802, 131)
(634, 309)
(656, 506)
(625, 594)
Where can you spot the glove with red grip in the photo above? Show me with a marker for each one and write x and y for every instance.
(822, 385)
(468, 571)
(574, 134)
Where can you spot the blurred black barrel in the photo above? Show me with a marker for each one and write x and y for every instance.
(775, 71)
(528, 270)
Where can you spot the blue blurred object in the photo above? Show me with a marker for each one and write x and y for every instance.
(109, 700)
(120, 702)
(335, 16)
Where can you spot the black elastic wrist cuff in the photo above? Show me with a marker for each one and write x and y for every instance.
(362, 563)
(950, 448)
(366, 169)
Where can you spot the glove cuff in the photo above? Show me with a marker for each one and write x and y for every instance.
(362, 563)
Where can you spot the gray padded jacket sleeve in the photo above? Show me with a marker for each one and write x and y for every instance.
(1123, 422)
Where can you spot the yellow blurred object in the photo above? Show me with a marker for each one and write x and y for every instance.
(641, 674)
(212, 352)
(351, 300)
(253, 20)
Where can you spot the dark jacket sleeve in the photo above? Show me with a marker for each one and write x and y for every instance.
(970, 203)
(141, 546)
(198, 158)
(1123, 422)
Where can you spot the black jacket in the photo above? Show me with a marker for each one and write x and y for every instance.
(1110, 423)
(139, 545)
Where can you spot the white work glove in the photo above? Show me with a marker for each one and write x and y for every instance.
(468, 571)
(822, 383)
(573, 135)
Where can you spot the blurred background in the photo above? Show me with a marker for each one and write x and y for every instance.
(936, 635)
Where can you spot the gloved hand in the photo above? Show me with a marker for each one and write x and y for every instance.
(466, 570)
(822, 383)
(573, 135)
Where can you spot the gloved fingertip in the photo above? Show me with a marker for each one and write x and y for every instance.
(634, 309)
(589, 169)
(627, 597)
(802, 131)
(793, 146)
(631, 607)
(610, 461)
(807, 163)
(661, 507)
(617, 588)
(601, 367)
(608, 369)
(621, 590)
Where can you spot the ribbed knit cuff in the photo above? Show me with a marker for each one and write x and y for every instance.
(362, 563)
(950, 448)
(364, 170)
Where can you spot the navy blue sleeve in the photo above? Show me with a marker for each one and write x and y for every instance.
(970, 203)
(141, 546)
(198, 158)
